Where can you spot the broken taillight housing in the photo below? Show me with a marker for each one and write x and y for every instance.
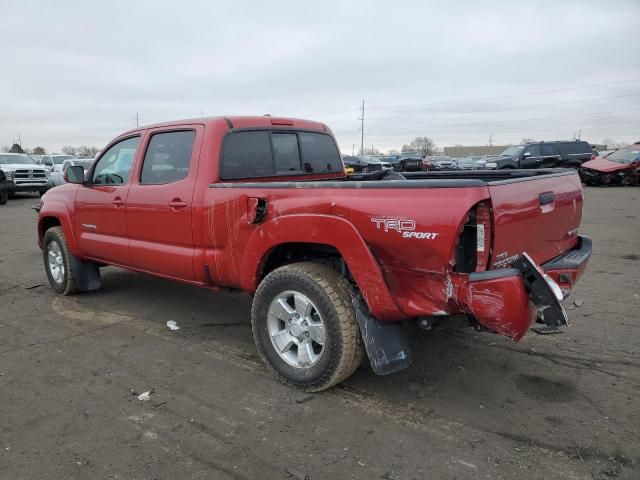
(483, 235)
(473, 246)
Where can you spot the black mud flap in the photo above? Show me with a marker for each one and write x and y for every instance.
(386, 343)
(87, 275)
(549, 309)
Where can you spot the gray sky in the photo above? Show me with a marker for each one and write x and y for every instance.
(76, 72)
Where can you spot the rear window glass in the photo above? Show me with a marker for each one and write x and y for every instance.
(285, 151)
(246, 155)
(264, 153)
(319, 153)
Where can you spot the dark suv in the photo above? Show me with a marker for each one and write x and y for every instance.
(564, 154)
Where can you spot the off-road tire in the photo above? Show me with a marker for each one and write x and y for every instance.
(329, 291)
(68, 284)
(4, 198)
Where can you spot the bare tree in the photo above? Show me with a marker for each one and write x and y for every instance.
(69, 150)
(423, 145)
(16, 148)
(85, 151)
(39, 151)
(527, 140)
(393, 151)
(4, 149)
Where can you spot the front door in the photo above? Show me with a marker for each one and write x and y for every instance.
(160, 203)
(531, 157)
(100, 205)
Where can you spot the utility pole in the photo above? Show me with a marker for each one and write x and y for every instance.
(137, 122)
(491, 139)
(362, 130)
(353, 149)
(579, 133)
(19, 140)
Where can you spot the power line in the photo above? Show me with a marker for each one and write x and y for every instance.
(502, 108)
(503, 121)
(544, 92)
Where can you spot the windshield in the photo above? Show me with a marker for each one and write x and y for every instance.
(624, 155)
(513, 151)
(21, 159)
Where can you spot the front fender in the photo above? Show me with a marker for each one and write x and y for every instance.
(327, 230)
(59, 211)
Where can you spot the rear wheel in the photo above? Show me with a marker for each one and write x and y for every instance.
(57, 262)
(304, 326)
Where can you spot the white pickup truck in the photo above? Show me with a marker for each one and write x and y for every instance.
(27, 175)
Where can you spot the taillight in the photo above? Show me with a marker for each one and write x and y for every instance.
(593, 156)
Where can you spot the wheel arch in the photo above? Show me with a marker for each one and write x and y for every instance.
(56, 215)
(317, 237)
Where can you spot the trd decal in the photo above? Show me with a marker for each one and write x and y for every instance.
(404, 226)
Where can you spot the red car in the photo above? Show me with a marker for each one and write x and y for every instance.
(334, 264)
(621, 167)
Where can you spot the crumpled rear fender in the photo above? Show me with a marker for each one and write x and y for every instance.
(326, 230)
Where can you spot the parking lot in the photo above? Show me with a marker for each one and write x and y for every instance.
(473, 405)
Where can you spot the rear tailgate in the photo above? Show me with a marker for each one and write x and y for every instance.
(536, 215)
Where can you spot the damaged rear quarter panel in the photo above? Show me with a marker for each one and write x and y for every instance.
(399, 276)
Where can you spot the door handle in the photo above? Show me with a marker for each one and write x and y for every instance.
(177, 203)
(117, 202)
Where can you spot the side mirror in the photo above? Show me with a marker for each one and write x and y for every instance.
(526, 154)
(74, 174)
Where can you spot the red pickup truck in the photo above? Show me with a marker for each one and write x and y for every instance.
(335, 263)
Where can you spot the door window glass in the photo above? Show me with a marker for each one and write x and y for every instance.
(167, 158)
(549, 149)
(114, 166)
(534, 150)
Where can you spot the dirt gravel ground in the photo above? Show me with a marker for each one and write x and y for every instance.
(473, 405)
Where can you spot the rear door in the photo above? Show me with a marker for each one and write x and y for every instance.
(159, 208)
(550, 155)
(538, 215)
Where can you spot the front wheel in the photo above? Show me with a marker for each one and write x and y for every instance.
(304, 326)
(4, 198)
(57, 262)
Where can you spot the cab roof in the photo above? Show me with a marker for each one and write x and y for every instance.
(238, 121)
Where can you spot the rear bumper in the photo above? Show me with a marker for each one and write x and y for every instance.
(508, 301)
